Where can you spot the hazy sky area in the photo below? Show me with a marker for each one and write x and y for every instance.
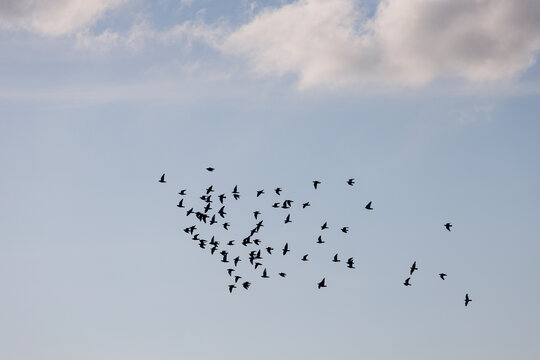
(432, 106)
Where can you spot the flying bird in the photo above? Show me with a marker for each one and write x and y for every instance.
(269, 250)
(286, 248)
(406, 283)
(236, 196)
(213, 220)
(229, 271)
(182, 192)
(260, 192)
(222, 212)
(322, 284)
(221, 198)
(210, 169)
(246, 285)
(162, 180)
(467, 300)
(230, 243)
(336, 259)
(324, 226)
(282, 274)
(278, 191)
(442, 275)
(448, 226)
(288, 219)
(181, 203)
(231, 287)
(226, 226)
(236, 278)
(413, 267)
(350, 182)
(304, 258)
(264, 275)
(315, 183)
(320, 240)
(345, 229)
(276, 205)
(256, 213)
(236, 260)
(368, 206)
(305, 205)
(209, 190)
(350, 263)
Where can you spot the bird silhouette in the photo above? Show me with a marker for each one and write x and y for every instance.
(322, 284)
(222, 212)
(467, 299)
(162, 179)
(256, 214)
(256, 242)
(181, 203)
(336, 258)
(229, 271)
(276, 205)
(282, 274)
(210, 169)
(236, 260)
(260, 192)
(213, 220)
(209, 190)
(246, 285)
(315, 183)
(278, 191)
(320, 240)
(189, 212)
(230, 243)
(226, 225)
(221, 198)
(264, 275)
(345, 229)
(231, 287)
(448, 226)
(235, 190)
(207, 208)
(324, 226)
(350, 263)
(413, 267)
(288, 219)
(350, 182)
(305, 205)
(286, 248)
(368, 206)
(304, 258)
(269, 250)
(182, 192)
(442, 275)
(257, 264)
(236, 196)
(236, 278)
(406, 283)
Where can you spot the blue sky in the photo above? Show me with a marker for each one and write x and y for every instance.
(431, 106)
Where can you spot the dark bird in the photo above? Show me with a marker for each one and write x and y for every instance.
(368, 206)
(304, 258)
(189, 212)
(236, 196)
(222, 212)
(320, 240)
(285, 205)
(286, 248)
(345, 229)
(406, 283)
(213, 249)
(257, 264)
(282, 274)
(336, 259)
(207, 208)
(278, 191)
(195, 237)
(350, 263)
(246, 285)
(288, 219)
(224, 254)
(322, 284)
(202, 244)
(236, 260)
(162, 180)
(221, 198)
(448, 226)
(413, 267)
(257, 242)
(305, 205)
(442, 275)
(181, 203)
(246, 241)
(182, 192)
(231, 243)
(324, 226)
(260, 192)
(315, 183)
(467, 300)
(236, 278)
(210, 169)
(226, 225)
(213, 220)
(209, 190)
(350, 182)
(235, 190)
(256, 213)
(264, 274)
(276, 205)
(258, 255)
(229, 271)
(231, 287)
(259, 225)
(269, 249)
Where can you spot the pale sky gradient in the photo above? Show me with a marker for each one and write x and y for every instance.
(431, 106)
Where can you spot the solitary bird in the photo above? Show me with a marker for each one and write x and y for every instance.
(442, 275)
(304, 258)
(345, 229)
(336, 259)
(162, 180)
(315, 183)
(467, 300)
(320, 240)
(350, 263)
(278, 191)
(288, 219)
(286, 248)
(413, 267)
(322, 284)
(368, 206)
(260, 192)
(448, 226)
(264, 275)
(350, 182)
(210, 169)
(305, 205)
(324, 226)
(246, 285)
(282, 274)
(406, 283)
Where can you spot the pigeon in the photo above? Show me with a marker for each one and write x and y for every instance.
(246, 285)
(181, 203)
(231, 287)
(345, 229)
(288, 219)
(320, 240)
(286, 249)
(264, 275)
(278, 191)
(260, 192)
(229, 271)
(221, 198)
(282, 274)
(413, 267)
(350, 263)
(336, 259)
(442, 275)
(368, 206)
(322, 284)
(256, 213)
(226, 226)
(324, 226)
(448, 226)
(467, 300)
(305, 205)
(315, 183)
(236, 260)
(350, 182)
(406, 283)
(210, 169)
(162, 179)
(182, 192)
(304, 258)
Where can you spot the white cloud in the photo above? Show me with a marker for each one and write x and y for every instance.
(406, 43)
(52, 17)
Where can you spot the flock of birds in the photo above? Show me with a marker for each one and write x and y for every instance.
(254, 245)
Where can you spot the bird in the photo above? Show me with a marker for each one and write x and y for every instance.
(226, 226)
(315, 183)
(406, 283)
(224, 254)
(213, 220)
(257, 264)
(324, 226)
(246, 285)
(256, 213)
(221, 198)
(304, 258)
(448, 226)
(282, 274)
(278, 191)
(236, 260)
(209, 190)
(189, 212)
(350, 182)
(305, 205)
(236, 278)
(162, 179)
(269, 250)
(467, 299)
(207, 208)
(182, 192)
(442, 275)
(260, 192)
(231, 287)
(345, 229)
(320, 240)
(350, 263)
(264, 275)
(336, 259)
(276, 205)
(222, 212)
(202, 244)
(322, 284)
(288, 219)
(181, 203)
(229, 271)
(368, 206)
(210, 169)
(236, 196)
(235, 190)
(413, 267)
(286, 248)
(230, 243)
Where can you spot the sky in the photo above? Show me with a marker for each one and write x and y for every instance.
(432, 107)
